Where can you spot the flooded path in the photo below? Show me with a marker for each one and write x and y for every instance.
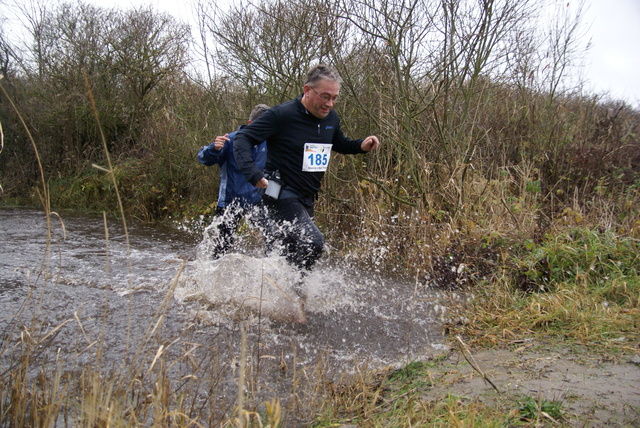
(163, 296)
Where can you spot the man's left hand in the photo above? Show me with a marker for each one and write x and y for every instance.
(370, 143)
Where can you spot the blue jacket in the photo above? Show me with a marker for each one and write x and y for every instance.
(234, 187)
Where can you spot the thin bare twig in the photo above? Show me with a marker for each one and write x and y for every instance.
(472, 362)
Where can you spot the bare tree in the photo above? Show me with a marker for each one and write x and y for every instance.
(123, 55)
(561, 47)
(7, 54)
(32, 16)
(148, 47)
(422, 61)
(68, 42)
(386, 74)
(268, 46)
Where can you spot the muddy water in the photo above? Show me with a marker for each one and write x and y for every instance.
(163, 292)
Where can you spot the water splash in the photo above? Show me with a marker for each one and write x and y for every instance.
(237, 282)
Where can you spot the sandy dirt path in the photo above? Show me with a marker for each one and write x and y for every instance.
(595, 390)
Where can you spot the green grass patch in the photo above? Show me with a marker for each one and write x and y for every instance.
(582, 284)
(598, 260)
(531, 410)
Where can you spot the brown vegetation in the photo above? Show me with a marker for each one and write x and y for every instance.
(480, 141)
(487, 153)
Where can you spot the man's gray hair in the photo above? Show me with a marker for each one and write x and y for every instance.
(320, 72)
(257, 111)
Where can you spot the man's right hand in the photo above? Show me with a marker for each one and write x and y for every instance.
(262, 183)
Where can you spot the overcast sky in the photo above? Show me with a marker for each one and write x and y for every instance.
(612, 64)
(614, 58)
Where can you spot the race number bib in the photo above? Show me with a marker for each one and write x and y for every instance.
(316, 157)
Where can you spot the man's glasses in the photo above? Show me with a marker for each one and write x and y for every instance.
(326, 98)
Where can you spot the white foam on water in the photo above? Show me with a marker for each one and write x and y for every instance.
(328, 289)
(266, 285)
(241, 282)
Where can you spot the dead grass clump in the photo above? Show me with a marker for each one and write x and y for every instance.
(448, 247)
